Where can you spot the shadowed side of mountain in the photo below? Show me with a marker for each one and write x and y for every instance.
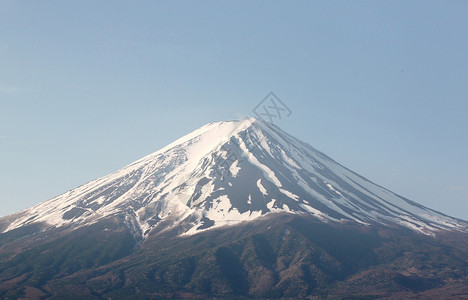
(27, 264)
(279, 256)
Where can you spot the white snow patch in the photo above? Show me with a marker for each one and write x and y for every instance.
(261, 188)
(289, 194)
(333, 189)
(315, 212)
(234, 169)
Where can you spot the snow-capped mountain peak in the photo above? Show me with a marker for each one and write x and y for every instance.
(228, 172)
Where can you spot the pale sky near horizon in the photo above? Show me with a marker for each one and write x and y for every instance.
(87, 87)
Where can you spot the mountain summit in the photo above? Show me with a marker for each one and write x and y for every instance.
(228, 172)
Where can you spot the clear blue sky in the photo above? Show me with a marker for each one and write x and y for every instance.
(87, 87)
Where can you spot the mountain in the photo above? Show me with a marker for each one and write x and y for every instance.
(235, 208)
(225, 173)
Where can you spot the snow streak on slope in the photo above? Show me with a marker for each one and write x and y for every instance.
(228, 172)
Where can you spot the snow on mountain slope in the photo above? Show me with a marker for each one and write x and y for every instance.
(228, 172)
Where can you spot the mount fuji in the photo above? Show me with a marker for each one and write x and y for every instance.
(228, 172)
(222, 182)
